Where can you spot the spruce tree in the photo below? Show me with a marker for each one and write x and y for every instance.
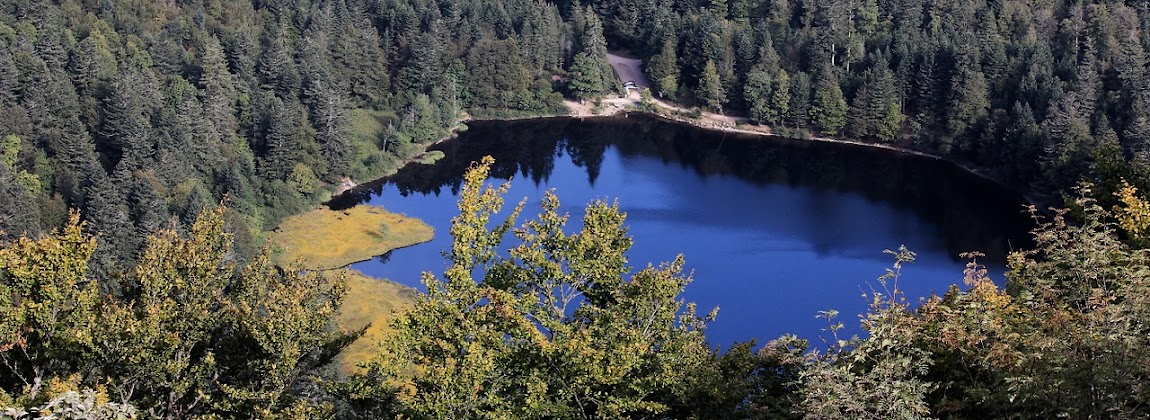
(756, 92)
(586, 77)
(829, 107)
(663, 69)
(798, 112)
(710, 93)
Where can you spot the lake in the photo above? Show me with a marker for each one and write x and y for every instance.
(775, 230)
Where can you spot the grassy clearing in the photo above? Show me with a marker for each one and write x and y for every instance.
(373, 301)
(325, 239)
(368, 131)
(368, 124)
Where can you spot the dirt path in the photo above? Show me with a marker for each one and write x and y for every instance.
(615, 105)
(628, 69)
(631, 69)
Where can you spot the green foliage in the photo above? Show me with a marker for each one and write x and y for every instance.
(646, 101)
(711, 94)
(798, 110)
(201, 335)
(1063, 339)
(1088, 297)
(205, 336)
(875, 377)
(555, 329)
(587, 79)
(890, 127)
(143, 113)
(237, 96)
(48, 308)
(768, 96)
(20, 212)
(375, 149)
(497, 77)
(9, 150)
(969, 104)
(829, 107)
(663, 69)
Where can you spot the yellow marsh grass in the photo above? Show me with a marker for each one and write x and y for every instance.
(326, 239)
(368, 300)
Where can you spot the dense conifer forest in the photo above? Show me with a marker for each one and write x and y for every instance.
(145, 146)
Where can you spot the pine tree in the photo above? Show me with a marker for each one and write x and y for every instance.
(711, 94)
(277, 68)
(969, 104)
(798, 113)
(19, 214)
(925, 97)
(287, 140)
(859, 124)
(362, 57)
(586, 77)
(663, 69)
(1067, 143)
(125, 113)
(217, 86)
(108, 216)
(496, 75)
(768, 97)
(594, 45)
(1136, 136)
(9, 77)
(329, 117)
(424, 69)
(870, 110)
(829, 107)
(756, 92)
(591, 75)
(149, 211)
(780, 99)
(890, 126)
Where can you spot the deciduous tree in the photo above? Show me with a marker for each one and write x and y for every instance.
(560, 327)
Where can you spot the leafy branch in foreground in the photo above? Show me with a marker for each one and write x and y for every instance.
(879, 376)
(200, 336)
(553, 328)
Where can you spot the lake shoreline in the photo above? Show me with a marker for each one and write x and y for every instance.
(768, 134)
(621, 108)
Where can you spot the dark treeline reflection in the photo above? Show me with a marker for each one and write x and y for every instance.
(972, 213)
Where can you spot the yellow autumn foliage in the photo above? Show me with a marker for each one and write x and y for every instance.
(1134, 215)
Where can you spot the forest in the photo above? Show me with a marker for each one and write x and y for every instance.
(147, 146)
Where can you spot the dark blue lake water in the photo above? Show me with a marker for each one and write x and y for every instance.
(775, 230)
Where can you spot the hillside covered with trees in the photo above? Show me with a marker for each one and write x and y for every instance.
(1043, 92)
(141, 112)
(153, 298)
(137, 112)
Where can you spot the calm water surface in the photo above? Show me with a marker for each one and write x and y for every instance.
(774, 230)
